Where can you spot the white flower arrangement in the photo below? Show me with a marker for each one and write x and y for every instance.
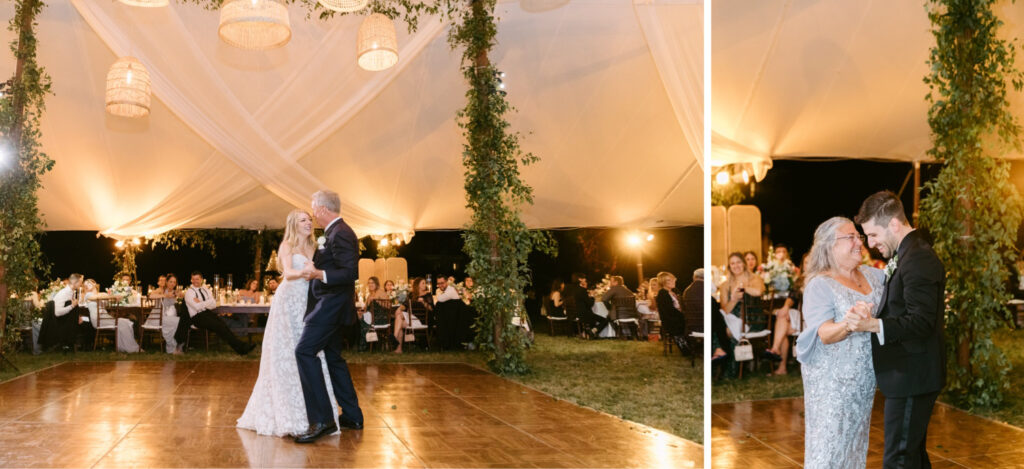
(602, 287)
(123, 291)
(401, 292)
(51, 289)
(779, 276)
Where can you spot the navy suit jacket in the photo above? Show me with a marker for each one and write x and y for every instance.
(339, 258)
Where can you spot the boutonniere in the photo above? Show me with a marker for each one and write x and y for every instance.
(890, 267)
(321, 241)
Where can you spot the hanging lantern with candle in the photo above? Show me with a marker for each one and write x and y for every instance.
(254, 24)
(128, 88)
(377, 43)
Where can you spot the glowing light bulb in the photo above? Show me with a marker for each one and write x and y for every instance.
(722, 178)
(746, 177)
(119, 244)
(384, 242)
(633, 240)
(136, 241)
(650, 237)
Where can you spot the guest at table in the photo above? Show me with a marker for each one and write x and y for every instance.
(653, 287)
(251, 293)
(554, 306)
(722, 342)
(616, 290)
(389, 288)
(672, 320)
(446, 309)
(168, 295)
(741, 287)
(60, 328)
(200, 303)
(161, 282)
(419, 297)
(467, 289)
(593, 323)
(125, 328)
(752, 264)
(272, 284)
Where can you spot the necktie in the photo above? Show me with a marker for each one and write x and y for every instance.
(202, 294)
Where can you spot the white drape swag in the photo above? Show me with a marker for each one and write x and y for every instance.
(603, 91)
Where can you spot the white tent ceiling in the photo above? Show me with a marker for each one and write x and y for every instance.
(608, 92)
(824, 78)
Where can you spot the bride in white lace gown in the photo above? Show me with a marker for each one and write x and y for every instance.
(276, 406)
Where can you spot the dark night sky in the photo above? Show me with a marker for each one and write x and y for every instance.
(796, 196)
(677, 250)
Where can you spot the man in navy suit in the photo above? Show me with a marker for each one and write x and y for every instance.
(331, 305)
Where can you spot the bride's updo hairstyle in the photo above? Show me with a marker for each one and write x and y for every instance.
(821, 260)
(291, 231)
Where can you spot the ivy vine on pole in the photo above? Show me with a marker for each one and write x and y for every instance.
(21, 166)
(971, 209)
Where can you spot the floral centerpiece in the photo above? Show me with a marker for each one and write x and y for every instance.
(602, 287)
(51, 289)
(779, 276)
(401, 292)
(123, 291)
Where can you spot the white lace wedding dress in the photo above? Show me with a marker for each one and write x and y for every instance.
(276, 406)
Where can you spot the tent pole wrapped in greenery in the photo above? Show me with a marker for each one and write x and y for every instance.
(23, 163)
(971, 209)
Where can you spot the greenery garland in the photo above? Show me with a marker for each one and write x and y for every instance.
(21, 166)
(972, 209)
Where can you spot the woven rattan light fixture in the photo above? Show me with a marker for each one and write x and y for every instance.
(128, 88)
(377, 44)
(344, 6)
(145, 3)
(254, 24)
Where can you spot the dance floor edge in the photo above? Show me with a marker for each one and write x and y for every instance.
(182, 414)
(770, 434)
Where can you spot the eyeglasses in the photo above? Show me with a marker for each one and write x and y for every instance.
(852, 237)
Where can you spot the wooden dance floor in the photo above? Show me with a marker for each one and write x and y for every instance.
(182, 414)
(770, 433)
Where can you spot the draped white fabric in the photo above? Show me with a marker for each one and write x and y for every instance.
(608, 95)
(823, 78)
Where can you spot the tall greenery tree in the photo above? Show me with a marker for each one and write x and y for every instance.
(21, 164)
(971, 208)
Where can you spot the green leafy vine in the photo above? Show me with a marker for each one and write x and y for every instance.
(971, 208)
(22, 164)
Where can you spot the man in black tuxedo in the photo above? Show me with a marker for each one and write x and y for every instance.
(331, 306)
(907, 342)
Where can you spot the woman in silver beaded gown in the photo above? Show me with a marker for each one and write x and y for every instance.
(838, 376)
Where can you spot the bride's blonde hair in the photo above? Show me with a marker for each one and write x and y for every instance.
(291, 231)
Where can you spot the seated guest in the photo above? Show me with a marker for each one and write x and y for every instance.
(787, 323)
(616, 290)
(161, 282)
(200, 303)
(272, 285)
(168, 295)
(98, 318)
(446, 309)
(721, 340)
(419, 297)
(467, 290)
(251, 292)
(751, 263)
(389, 289)
(742, 287)
(554, 306)
(593, 323)
(672, 320)
(61, 329)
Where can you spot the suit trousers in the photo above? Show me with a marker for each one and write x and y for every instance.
(906, 431)
(325, 331)
(210, 321)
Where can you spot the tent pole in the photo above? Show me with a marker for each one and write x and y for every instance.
(917, 190)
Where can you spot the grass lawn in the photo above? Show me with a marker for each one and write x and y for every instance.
(758, 386)
(628, 379)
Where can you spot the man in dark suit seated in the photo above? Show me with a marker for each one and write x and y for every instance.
(618, 290)
(60, 324)
(584, 303)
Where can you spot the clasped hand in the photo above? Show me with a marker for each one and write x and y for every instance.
(858, 318)
(309, 272)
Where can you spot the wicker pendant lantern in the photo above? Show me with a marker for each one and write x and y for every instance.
(145, 3)
(344, 6)
(254, 24)
(377, 43)
(128, 88)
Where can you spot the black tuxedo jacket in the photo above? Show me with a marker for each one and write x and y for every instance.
(913, 359)
(339, 258)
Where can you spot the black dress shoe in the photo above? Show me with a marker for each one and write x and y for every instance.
(316, 431)
(349, 424)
